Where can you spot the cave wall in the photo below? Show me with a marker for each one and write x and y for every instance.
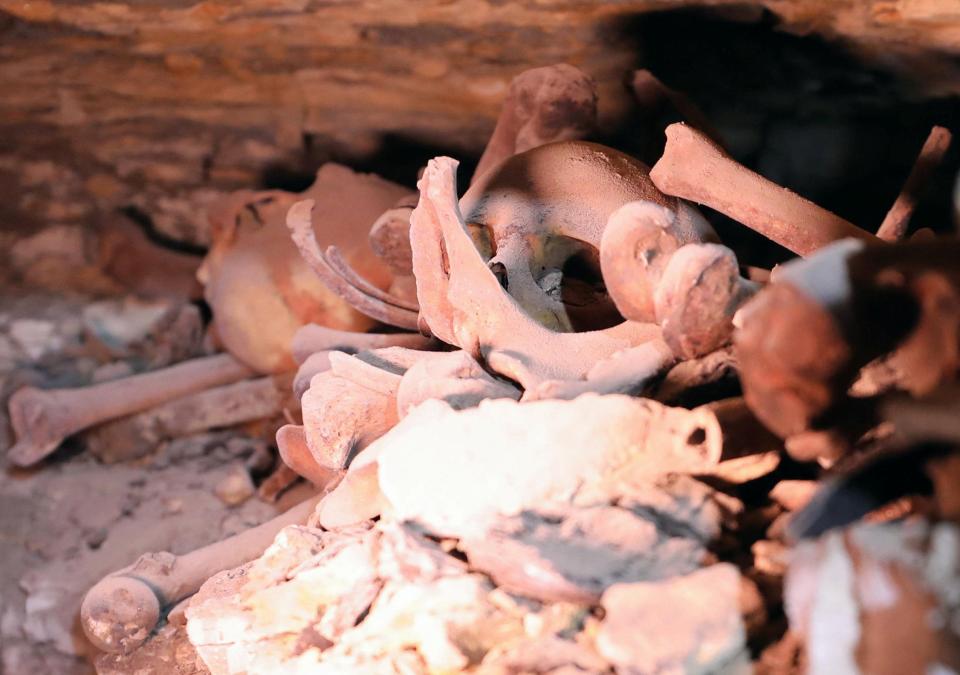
(154, 108)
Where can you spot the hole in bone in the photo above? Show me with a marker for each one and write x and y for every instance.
(500, 272)
(697, 437)
(580, 285)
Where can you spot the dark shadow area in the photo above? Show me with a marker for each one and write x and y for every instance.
(397, 158)
(801, 111)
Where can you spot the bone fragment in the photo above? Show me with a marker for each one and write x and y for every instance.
(895, 224)
(463, 303)
(699, 378)
(120, 612)
(214, 408)
(695, 168)
(850, 595)
(543, 105)
(42, 419)
(295, 453)
(454, 377)
(629, 372)
(530, 452)
(300, 224)
(313, 338)
(704, 630)
(354, 403)
(390, 236)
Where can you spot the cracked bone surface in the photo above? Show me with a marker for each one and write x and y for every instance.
(42, 419)
(121, 611)
(461, 299)
(258, 285)
(695, 168)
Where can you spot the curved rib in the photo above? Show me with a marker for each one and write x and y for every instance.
(300, 224)
(350, 275)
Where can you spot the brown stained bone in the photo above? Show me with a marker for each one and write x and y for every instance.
(259, 286)
(314, 338)
(214, 408)
(121, 611)
(42, 419)
(538, 220)
(463, 303)
(543, 105)
(299, 221)
(698, 294)
(695, 168)
(802, 340)
(895, 224)
(639, 240)
(454, 377)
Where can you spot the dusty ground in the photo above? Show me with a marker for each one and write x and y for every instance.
(73, 519)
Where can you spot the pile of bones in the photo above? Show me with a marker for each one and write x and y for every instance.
(554, 426)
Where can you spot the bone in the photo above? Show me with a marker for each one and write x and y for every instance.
(258, 285)
(802, 340)
(354, 403)
(694, 377)
(390, 236)
(455, 378)
(314, 338)
(695, 168)
(121, 611)
(638, 242)
(218, 407)
(295, 453)
(569, 449)
(463, 303)
(697, 297)
(539, 226)
(629, 372)
(299, 222)
(42, 419)
(895, 224)
(543, 105)
(316, 363)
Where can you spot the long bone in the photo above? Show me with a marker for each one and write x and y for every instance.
(463, 303)
(894, 225)
(695, 168)
(42, 419)
(120, 612)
